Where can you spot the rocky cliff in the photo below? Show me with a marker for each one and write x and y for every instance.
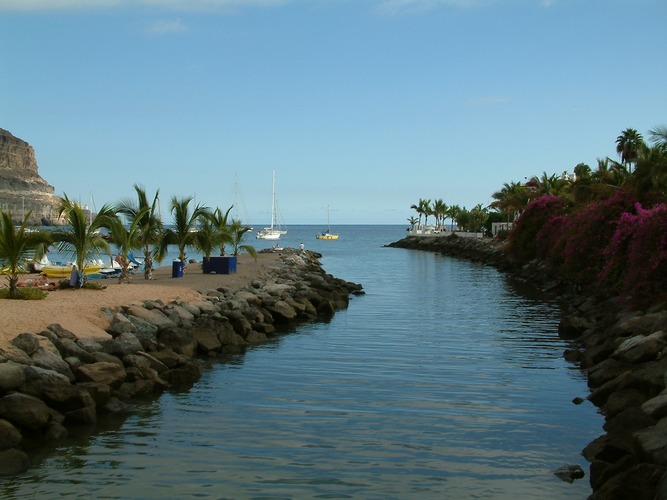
(21, 187)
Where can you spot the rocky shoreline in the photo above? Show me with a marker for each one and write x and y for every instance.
(52, 382)
(622, 351)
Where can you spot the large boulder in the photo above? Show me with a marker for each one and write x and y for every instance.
(110, 374)
(12, 375)
(24, 411)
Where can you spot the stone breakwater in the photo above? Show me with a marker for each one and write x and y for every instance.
(51, 381)
(623, 352)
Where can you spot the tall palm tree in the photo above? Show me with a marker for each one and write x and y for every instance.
(628, 145)
(439, 211)
(453, 213)
(238, 231)
(419, 208)
(426, 210)
(82, 238)
(16, 245)
(126, 239)
(184, 232)
(650, 175)
(150, 223)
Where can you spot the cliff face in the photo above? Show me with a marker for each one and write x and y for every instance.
(21, 187)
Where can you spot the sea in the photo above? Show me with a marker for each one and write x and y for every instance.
(446, 379)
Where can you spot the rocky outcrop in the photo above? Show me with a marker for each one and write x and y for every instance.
(151, 347)
(623, 352)
(21, 188)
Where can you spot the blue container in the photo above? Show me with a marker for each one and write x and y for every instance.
(219, 265)
(177, 269)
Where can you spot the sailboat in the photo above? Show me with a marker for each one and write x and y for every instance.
(327, 235)
(274, 231)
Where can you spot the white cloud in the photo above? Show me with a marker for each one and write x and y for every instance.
(54, 5)
(393, 7)
(487, 101)
(167, 27)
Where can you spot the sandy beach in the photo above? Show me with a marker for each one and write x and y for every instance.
(80, 310)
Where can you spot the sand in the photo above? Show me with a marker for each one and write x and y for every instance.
(79, 311)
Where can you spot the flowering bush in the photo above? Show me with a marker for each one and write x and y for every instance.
(587, 235)
(536, 217)
(637, 254)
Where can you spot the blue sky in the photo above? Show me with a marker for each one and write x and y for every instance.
(365, 106)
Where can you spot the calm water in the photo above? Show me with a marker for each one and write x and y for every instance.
(445, 380)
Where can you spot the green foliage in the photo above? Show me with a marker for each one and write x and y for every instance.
(24, 293)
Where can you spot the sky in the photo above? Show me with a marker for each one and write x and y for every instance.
(361, 107)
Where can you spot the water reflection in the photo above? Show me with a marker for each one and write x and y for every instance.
(445, 380)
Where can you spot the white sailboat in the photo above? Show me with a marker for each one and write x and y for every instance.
(274, 231)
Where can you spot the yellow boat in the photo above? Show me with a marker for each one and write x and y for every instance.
(55, 271)
(327, 235)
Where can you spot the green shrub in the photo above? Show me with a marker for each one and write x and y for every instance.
(24, 293)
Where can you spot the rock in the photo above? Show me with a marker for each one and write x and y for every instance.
(282, 312)
(60, 332)
(13, 461)
(10, 436)
(45, 358)
(652, 442)
(179, 341)
(110, 374)
(656, 407)
(27, 342)
(12, 375)
(68, 347)
(128, 343)
(24, 411)
(569, 473)
(152, 316)
(572, 327)
(16, 355)
(121, 324)
(23, 189)
(641, 348)
(181, 313)
(207, 340)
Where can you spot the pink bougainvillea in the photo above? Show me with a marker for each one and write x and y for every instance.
(636, 257)
(588, 233)
(537, 215)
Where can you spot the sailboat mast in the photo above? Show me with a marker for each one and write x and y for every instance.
(273, 201)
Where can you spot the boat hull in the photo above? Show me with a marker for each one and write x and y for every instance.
(66, 271)
(327, 236)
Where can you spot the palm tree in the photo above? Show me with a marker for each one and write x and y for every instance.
(426, 210)
(413, 222)
(16, 245)
(82, 238)
(237, 231)
(453, 213)
(419, 208)
(658, 136)
(628, 145)
(150, 223)
(511, 199)
(186, 224)
(650, 175)
(126, 239)
(439, 211)
(222, 228)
